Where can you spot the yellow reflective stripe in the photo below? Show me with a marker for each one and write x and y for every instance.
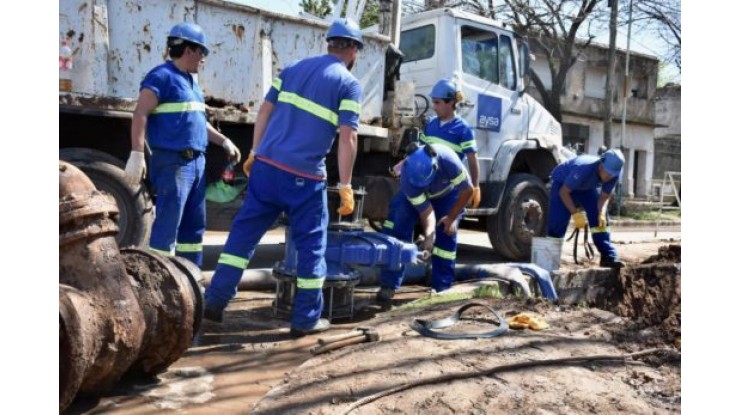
(189, 247)
(349, 105)
(459, 179)
(597, 229)
(443, 254)
(310, 283)
(434, 195)
(309, 106)
(161, 252)
(436, 140)
(388, 224)
(233, 260)
(277, 83)
(418, 200)
(179, 107)
(467, 144)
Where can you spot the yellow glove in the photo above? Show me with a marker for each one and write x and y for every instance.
(347, 200)
(247, 166)
(579, 219)
(527, 320)
(475, 200)
(602, 220)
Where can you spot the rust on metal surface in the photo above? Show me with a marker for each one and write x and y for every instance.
(120, 312)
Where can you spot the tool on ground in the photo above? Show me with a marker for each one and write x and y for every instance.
(363, 335)
(426, 327)
(586, 245)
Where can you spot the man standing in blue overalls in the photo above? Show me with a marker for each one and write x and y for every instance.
(451, 130)
(172, 112)
(433, 184)
(586, 183)
(295, 129)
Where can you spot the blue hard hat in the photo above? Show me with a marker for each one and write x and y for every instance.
(613, 160)
(346, 28)
(420, 166)
(190, 32)
(446, 89)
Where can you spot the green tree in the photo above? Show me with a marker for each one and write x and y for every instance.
(319, 8)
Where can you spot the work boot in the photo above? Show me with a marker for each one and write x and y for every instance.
(214, 314)
(385, 295)
(611, 263)
(321, 325)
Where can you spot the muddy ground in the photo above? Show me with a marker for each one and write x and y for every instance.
(249, 364)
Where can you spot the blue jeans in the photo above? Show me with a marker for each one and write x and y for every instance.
(180, 216)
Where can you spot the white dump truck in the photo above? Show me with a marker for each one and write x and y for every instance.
(106, 48)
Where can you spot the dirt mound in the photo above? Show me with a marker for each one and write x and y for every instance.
(666, 254)
(650, 294)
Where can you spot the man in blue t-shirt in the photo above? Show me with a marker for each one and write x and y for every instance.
(295, 129)
(451, 130)
(171, 113)
(586, 183)
(434, 187)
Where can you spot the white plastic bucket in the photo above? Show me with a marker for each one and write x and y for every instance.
(546, 252)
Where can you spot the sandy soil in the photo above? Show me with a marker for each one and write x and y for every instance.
(249, 364)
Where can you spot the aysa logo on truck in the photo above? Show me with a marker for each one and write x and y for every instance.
(489, 113)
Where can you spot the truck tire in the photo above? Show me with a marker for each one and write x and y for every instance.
(136, 211)
(522, 215)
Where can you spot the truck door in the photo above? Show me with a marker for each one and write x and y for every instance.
(489, 83)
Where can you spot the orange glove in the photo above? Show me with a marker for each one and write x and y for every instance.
(247, 166)
(475, 200)
(347, 200)
(579, 219)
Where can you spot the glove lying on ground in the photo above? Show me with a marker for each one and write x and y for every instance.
(527, 320)
(347, 199)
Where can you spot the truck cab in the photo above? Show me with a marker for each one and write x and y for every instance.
(518, 141)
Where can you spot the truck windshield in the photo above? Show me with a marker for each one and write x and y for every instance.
(417, 44)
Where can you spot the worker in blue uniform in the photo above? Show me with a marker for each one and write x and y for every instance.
(585, 183)
(434, 188)
(295, 129)
(171, 115)
(451, 130)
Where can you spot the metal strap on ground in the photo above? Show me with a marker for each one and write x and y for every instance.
(427, 327)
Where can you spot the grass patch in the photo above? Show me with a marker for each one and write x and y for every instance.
(434, 299)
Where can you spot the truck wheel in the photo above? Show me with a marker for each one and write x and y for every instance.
(522, 215)
(136, 211)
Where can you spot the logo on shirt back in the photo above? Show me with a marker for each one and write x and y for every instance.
(489, 113)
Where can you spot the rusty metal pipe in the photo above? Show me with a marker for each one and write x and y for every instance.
(89, 261)
(121, 312)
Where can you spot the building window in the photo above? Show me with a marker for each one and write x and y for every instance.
(595, 83)
(417, 44)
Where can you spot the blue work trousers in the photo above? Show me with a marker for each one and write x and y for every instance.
(557, 222)
(272, 191)
(402, 218)
(180, 216)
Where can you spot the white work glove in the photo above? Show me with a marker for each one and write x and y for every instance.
(231, 151)
(135, 168)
